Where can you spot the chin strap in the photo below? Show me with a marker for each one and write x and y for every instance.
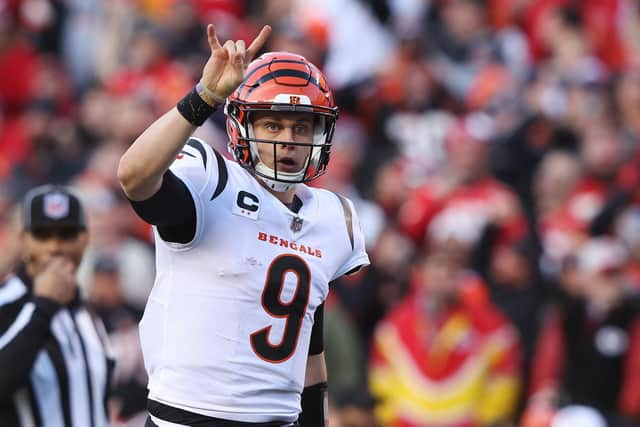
(315, 406)
(278, 186)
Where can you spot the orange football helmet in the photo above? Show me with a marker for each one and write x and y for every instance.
(281, 82)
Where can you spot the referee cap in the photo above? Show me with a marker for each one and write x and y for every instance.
(52, 206)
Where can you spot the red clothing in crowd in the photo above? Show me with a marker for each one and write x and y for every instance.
(459, 368)
(467, 208)
(164, 83)
(601, 18)
(564, 230)
(18, 65)
(587, 200)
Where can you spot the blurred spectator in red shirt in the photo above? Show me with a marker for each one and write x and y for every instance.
(445, 356)
(560, 234)
(463, 197)
(601, 20)
(601, 154)
(149, 73)
(18, 64)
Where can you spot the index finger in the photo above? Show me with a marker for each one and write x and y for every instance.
(258, 42)
(212, 38)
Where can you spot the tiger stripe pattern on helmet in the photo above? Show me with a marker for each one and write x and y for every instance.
(285, 72)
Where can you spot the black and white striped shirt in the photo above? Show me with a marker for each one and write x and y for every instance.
(54, 363)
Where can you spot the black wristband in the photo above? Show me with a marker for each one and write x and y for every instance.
(194, 109)
(314, 406)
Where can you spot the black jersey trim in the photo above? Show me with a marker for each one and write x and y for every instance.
(316, 344)
(348, 217)
(192, 142)
(354, 270)
(180, 416)
(223, 175)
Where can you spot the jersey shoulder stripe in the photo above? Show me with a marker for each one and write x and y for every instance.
(195, 166)
(348, 216)
(223, 175)
(197, 144)
(186, 153)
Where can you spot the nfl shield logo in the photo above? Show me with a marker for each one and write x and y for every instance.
(56, 205)
(296, 224)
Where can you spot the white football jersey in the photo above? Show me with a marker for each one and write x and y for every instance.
(227, 326)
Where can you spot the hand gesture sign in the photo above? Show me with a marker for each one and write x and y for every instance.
(224, 71)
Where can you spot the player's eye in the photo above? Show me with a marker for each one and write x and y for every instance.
(271, 126)
(302, 129)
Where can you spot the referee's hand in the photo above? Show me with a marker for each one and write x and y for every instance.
(56, 282)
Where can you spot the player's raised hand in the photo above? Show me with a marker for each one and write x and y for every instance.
(225, 68)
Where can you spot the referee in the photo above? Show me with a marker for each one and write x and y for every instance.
(54, 367)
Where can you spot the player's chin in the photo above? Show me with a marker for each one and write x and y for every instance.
(289, 167)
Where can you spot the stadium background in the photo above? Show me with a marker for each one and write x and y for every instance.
(504, 130)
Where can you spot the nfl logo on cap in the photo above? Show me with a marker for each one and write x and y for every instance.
(56, 205)
(52, 206)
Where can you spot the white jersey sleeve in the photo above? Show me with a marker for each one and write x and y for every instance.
(358, 257)
(203, 172)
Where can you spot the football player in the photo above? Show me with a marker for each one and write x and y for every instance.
(232, 331)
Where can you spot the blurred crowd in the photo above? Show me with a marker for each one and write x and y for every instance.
(490, 146)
